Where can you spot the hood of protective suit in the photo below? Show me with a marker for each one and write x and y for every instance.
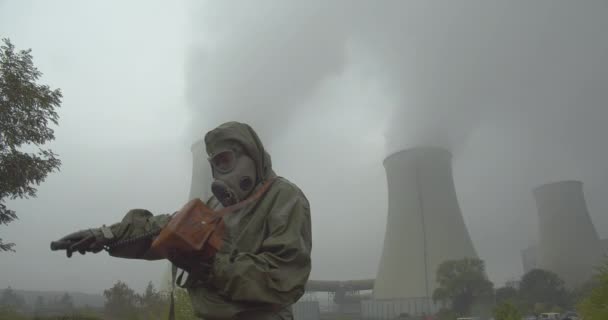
(264, 262)
(244, 135)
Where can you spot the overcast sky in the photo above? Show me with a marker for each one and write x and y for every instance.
(516, 90)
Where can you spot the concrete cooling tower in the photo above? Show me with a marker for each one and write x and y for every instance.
(424, 225)
(568, 243)
(200, 186)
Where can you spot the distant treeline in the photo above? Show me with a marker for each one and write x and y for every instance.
(121, 303)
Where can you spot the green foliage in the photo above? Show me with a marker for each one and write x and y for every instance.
(446, 314)
(578, 294)
(26, 109)
(506, 311)
(482, 307)
(152, 303)
(506, 294)
(68, 317)
(462, 282)
(87, 313)
(183, 306)
(11, 299)
(542, 290)
(595, 305)
(121, 301)
(151, 297)
(9, 313)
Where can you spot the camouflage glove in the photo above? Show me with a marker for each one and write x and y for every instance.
(90, 240)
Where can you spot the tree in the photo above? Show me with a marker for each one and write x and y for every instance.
(506, 311)
(120, 301)
(152, 302)
(506, 294)
(26, 110)
(542, 287)
(581, 292)
(150, 297)
(462, 282)
(66, 302)
(10, 298)
(445, 314)
(8, 313)
(595, 305)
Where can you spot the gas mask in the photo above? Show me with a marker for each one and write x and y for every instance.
(234, 174)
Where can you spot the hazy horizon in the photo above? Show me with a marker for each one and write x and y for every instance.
(515, 90)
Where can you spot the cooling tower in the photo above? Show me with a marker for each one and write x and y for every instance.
(529, 258)
(424, 224)
(201, 172)
(568, 243)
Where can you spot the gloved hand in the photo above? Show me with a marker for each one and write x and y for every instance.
(194, 265)
(90, 240)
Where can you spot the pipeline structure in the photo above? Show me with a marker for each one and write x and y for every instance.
(344, 291)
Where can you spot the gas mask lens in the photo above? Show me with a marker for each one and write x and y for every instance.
(224, 161)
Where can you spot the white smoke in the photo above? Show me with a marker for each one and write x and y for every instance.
(501, 84)
(258, 61)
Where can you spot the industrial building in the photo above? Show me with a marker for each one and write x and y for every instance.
(568, 243)
(201, 172)
(424, 228)
(529, 256)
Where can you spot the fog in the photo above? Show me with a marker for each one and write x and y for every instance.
(517, 92)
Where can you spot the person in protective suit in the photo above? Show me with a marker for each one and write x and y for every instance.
(264, 262)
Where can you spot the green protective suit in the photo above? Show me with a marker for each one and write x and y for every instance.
(265, 261)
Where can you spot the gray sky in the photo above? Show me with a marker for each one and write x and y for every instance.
(516, 90)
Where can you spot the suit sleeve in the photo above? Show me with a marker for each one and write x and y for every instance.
(132, 231)
(278, 273)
